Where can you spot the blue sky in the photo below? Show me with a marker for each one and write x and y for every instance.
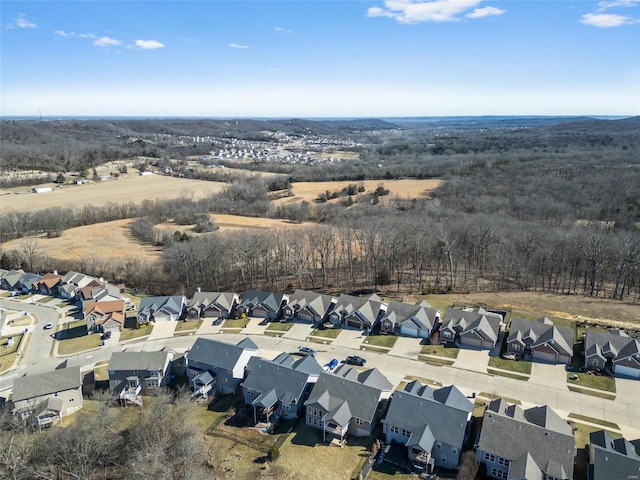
(320, 59)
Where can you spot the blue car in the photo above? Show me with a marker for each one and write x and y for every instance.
(331, 365)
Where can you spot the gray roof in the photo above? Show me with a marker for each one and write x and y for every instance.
(542, 331)
(137, 361)
(203, 300)
(444, 412)
(169, 304)
(420, 315)
(479, 321)
(368, 307)
(12, 277)
(317, 303)
(614, 344)
(338, 395)
(76, 278)
(511, 433)
(28, 279)
(287, 382)
(33, 386)
(612, 459)
(218, 354)
(270, 300)
(372, 377)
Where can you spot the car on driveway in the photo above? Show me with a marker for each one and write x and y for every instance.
(106, 335)
(356, 360)
(331, 365)
(48, 326)
(302, 350)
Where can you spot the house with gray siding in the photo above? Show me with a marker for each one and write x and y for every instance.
(342, 406)
(72, 281)
(613, 351)
(217, 305)
(525, 444)
(261, 304)
(433, 425)
(279, 386)
(476, 328)
(132, 374)
(308, 307)
(540, 340)
(48, 284)
(417, 320)
(612, 459)
(46, 397)
(26, 282)
(158, 309)
(357, 312)
(10, 279)
(218, 366)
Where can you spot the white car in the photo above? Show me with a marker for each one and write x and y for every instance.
(48, 326)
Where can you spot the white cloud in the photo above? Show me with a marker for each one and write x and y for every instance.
(23, 22)
(415, 11)
(485, 12)
(606, 20)
(149, 44)
(64, 34)
(282, 29)
(107, 42)
(618, 4)
(235, 45)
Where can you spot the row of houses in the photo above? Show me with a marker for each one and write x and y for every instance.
(104, 306)
(431, 426)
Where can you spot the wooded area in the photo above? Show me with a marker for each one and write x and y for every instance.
(552, 208)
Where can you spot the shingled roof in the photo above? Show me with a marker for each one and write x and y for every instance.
(611, 459)
(219, 354)
(38, 385)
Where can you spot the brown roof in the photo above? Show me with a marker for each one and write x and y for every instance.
(112, 310)
(50, 280)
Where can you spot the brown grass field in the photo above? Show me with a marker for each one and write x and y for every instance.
(405, 188)
(132, 188)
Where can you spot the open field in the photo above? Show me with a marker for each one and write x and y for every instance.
(133, 188)
(573, 307)
(405, 188)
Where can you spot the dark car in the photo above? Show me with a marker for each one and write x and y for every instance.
(356, 360)
(106, 335)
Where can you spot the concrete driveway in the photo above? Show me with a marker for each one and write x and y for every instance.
(163, 329)
(472, 360)
(548, 374)
(407, 347)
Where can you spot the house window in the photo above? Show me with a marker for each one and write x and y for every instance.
(504, 461)
(489, 457)
(71, 399)
(446, 334)
(135, 372)
(516, 347)
(498, 473)
(443, 458)
(359, 421)
(225, 380)
(595, 361)
(394, 429)
(438, 444)
(310, 420)
(454, 451)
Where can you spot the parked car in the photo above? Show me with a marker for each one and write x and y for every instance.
(48, 326)
(356, 360)
(306, 351)
(106, 335)
(331, 365)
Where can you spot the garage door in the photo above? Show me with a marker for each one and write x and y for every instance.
(305, 317)
(353, 322)
(544, 356)
(472, 342)
(631, 372)
(411, 332)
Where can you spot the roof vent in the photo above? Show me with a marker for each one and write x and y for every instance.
(546, 434)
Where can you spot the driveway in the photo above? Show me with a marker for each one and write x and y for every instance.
(548, 374)
(163, 330)
(349, 338)
(472, 360)
(407, 347)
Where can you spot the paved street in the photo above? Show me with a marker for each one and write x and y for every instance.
(547, 384)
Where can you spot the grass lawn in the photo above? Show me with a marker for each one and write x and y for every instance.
(272, 334)
(239, 323)
(500, 373)
(46, 300)
(519, 366)
(73, 338)
(22, 321)
(279, 326)
(593, 393)
(440, 351)
(435, 360)
(129, 332)
(186, 326)
(230, 330)
(305, 448)
(8, 354)
(368, 348)
(424, 381)
(600, 382)
(378, 473)
(493, 396)
(387, 341)
(597, 421)
(5, 293)
(326, 333)
(101, 373)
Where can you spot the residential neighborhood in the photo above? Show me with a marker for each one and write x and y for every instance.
(424, 427)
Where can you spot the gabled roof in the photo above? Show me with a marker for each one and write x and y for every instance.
(512, 433)
(112, 310)
(77, 279)
(444, 411)
(612, 459)
(542, 331)
(28, 279)
(137, 361)
(269, 300)
(317, 303)
(420, 315)
(203, 300)
(610, 344)
(170, 304)
(12, 277)
(50, 280)
(478, 322)
(331, 391)
(219, 354)
(372, 377)
(366, 308)
(422, 438)
(287, 382)
(33, 386)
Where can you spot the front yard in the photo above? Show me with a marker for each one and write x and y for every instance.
(73, 338)
(235, 324)
(385, 341)
(331, 333)
(516, 366)
(188, 325)
(440, 351)
(133, 330)
(8, 353)
(599, 382)
(279, 326)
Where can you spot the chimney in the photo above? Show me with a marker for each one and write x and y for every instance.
(55, 272)
(198, 289)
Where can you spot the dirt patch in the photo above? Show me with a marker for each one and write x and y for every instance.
(133, 188)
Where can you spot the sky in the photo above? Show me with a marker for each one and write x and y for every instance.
(334, 58)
